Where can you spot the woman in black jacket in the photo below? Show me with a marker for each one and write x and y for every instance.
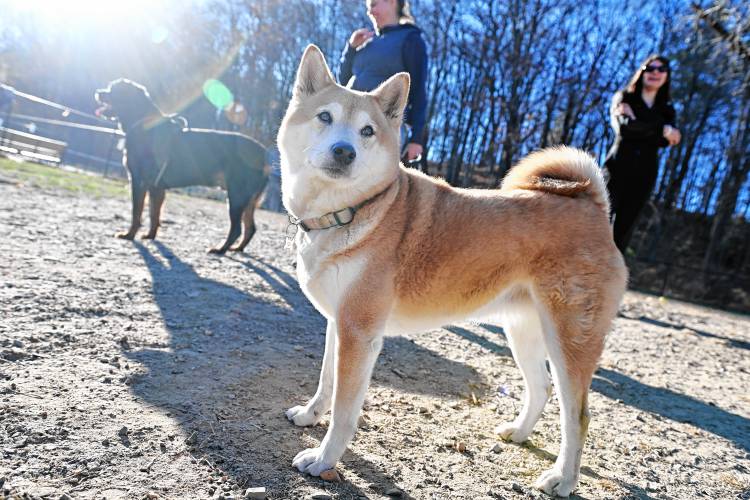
(371, 57)
(644, 121)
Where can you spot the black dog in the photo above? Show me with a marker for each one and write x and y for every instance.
(161, 152)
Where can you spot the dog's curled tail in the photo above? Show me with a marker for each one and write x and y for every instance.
(560, 170)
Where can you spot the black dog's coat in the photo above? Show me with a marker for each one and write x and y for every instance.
(162, 153)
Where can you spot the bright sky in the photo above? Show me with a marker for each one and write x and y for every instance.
(85, 10)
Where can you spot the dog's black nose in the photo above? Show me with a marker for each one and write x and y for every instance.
(343, 153)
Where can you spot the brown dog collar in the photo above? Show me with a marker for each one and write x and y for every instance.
(338, 218)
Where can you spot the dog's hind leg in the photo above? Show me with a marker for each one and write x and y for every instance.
(236, 207)
(313, 411)
(248, 223)
(138, 196)
(524, 331)
(155, 202)
(574, 350)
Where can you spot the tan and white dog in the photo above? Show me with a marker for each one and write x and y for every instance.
(382, 249)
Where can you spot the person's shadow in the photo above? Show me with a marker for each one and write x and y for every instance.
(234, 361)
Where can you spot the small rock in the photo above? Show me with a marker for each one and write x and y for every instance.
(18, 343)
(258, 492)
(394, 492)
(460, 446)
(496, 448)
(516, 487)
(652, 486)
(42, 492)
(105, 442)
(363, 421)
(123, 431)
(320, 496)
(330, 475)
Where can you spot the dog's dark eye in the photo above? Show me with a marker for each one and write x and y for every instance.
(325, 117)
(367, 131)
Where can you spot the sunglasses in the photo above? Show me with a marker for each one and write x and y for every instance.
(651, 69)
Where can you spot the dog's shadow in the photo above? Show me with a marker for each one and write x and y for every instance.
(234, 361)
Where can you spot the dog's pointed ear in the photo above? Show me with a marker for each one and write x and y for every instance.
(392, 96)
(313, 74)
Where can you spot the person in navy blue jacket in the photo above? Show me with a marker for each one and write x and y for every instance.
(396, 45)
(643, 119)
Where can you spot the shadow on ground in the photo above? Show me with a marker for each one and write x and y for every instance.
(674, 406)
(235, 361)
(731, 342)
(663, 402)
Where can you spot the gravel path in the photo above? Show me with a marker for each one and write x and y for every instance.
(154, 370)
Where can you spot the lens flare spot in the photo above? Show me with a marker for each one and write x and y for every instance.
(217, 94)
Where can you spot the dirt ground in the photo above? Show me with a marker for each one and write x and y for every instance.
(154, 370)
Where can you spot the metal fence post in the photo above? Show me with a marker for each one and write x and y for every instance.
(6, 122)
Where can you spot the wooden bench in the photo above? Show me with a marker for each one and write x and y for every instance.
(34, 147)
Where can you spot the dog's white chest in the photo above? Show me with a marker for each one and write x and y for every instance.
(325, 280)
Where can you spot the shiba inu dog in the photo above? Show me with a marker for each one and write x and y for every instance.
(382, 249)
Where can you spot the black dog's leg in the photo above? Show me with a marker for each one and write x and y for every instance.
(138, 195)
(248, 221)
(235, 227)
(155, 202)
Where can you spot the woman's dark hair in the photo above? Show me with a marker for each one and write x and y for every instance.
(404, 12)
(635, 86)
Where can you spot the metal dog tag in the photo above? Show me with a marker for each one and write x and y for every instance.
(291, 232)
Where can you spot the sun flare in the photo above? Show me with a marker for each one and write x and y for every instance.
(87, 10)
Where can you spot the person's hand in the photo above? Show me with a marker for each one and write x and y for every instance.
(624, 109)
(672, 135)
(360, 36)
(413, 151)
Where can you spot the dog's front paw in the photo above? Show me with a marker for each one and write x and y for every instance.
(303, 415)
(217, 251)
(149, 236)
(125, 235)
(554, 482)
(313, 461)
(511, 432)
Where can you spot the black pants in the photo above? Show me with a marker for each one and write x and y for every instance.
(632, 177)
